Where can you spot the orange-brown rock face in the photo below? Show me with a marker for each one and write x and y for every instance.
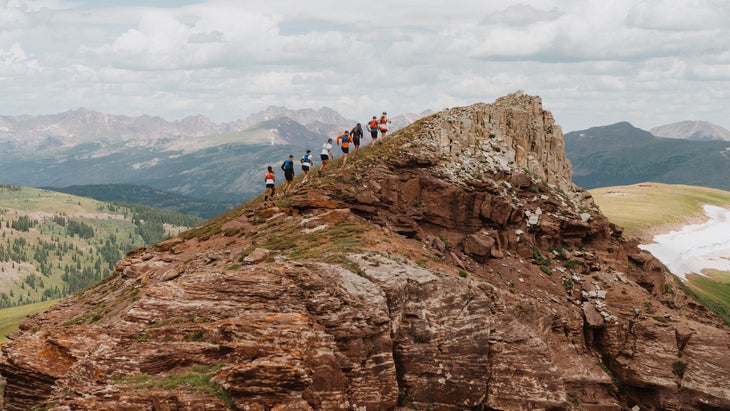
(452, 267)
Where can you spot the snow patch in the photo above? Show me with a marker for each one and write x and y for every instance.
(695, 247)
(147, 164)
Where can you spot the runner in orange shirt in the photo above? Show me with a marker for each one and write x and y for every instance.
(383, 124)
(373, 129)
(345, 147)
(270, 181)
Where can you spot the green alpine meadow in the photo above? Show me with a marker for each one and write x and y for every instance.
(54, 244)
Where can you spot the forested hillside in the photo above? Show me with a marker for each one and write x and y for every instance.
(54, 244)
(148, 196)
(621, 154)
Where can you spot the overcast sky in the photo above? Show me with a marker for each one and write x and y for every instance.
(593, 62)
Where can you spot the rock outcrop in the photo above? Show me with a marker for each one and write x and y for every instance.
(452, 267)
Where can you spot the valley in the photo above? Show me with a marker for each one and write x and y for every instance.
(54, 244)
(216, 164)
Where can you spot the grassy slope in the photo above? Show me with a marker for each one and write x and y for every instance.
(151, 197)
(11, 317)
(648, 208)
(111, 224)
(651, 208)
(114, 234)
(40, 205)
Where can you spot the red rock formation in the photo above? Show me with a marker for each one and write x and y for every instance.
(452, 267)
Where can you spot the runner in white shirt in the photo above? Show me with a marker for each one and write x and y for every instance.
(307, 163)
(326, 155)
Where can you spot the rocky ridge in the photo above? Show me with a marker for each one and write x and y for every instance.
(453, 266)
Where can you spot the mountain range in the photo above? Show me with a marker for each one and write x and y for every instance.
(454, 266)
(621, 154)
(193, 157)
(25, 133)
(81, 126)
(217, 165)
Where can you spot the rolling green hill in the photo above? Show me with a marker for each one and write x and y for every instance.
(53, 244)
(621, 154)
(647, 209)
(148, 196)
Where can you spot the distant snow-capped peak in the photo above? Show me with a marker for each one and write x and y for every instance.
(692, 130)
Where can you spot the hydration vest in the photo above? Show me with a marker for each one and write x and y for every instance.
(307, 160)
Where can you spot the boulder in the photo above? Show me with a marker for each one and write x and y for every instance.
(592, 316)
(327, 218)
(521, 180)
(276, 218)
(257, 255)
(479, 245)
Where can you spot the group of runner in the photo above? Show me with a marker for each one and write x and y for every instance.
(344, 140)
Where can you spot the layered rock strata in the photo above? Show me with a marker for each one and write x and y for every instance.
(452, 267)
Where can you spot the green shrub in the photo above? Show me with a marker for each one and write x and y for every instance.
(649, 307)
(197, 379)
(539, 258)
(560, 252)
(195, 336)
(568, 284)
(678, 368)
(570, 264)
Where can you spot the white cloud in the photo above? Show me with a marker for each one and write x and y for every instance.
(521, 15)
(15, 63)
(706, 72)
(225, 58)
(674, 15)
(12, 17)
